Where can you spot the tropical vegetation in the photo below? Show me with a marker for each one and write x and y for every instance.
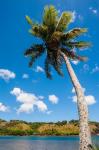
(20, 127)
(60, 45)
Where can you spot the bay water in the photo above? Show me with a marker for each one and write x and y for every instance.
(41, 142)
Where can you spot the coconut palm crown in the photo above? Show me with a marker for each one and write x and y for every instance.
(56, 40)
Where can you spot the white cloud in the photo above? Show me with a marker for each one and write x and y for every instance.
(53, 98)
(39, 69)
(90, 99)
(26, 108)
(3, 108)
(41, 106)
(95, 69)
(28, 101)
(25, 76)
(6, 74)
(73, 90)
(94, 11)
(75, 62)
(16, 91)
(49, 112)
(74, 15)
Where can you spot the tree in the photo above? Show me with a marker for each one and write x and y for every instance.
(59, 46)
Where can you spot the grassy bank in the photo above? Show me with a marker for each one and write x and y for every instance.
(19, 127)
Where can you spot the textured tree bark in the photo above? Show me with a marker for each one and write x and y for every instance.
(85, 135)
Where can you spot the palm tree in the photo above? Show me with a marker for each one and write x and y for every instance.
(59, 46)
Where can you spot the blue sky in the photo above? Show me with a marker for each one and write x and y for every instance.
(48, 100)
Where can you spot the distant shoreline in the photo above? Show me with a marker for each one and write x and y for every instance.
(60, 128)
(44, 135)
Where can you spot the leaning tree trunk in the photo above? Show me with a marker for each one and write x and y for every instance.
(85, 135)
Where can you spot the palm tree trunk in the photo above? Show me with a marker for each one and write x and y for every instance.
(85, 135)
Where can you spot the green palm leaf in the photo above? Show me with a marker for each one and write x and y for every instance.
(29, 20)
(39, 31)
(74, 33)
(52, 33)
(64, 21)
(79, 45)
(50, 16)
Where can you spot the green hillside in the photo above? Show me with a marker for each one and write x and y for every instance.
(19, 127)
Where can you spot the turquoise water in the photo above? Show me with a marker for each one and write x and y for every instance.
(41, 143)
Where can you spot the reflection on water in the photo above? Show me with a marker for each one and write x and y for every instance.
(38, 145)
(6, 143)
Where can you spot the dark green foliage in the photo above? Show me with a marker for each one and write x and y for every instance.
(56, 40)
(34, 52)
(47, 68)
(61, 123)
(75, 122)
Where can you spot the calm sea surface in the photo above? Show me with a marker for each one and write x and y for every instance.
(41, 143)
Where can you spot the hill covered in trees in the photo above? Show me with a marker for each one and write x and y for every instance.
(19, 127)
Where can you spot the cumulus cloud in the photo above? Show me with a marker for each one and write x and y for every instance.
(25, 108)
(74, 15)
(73, 90)
(39, 69)
(53, 99)
(25, 76)
(16, 91)
(7, 74)
(90, 99)
(93, 10)
(49, 112)
(75, 62)
(28, 101)
(41, 106)
(95, 69)
(3, 108)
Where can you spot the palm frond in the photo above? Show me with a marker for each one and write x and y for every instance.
(57, 67)
(34, 48)
(50, 16)
(56, 61)
(64, 21)
(79, 45)
(72, 55)
(74, 33)
(34, 52)
(47, 68)
(56, 40)
(29, 20)
(39, 31)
